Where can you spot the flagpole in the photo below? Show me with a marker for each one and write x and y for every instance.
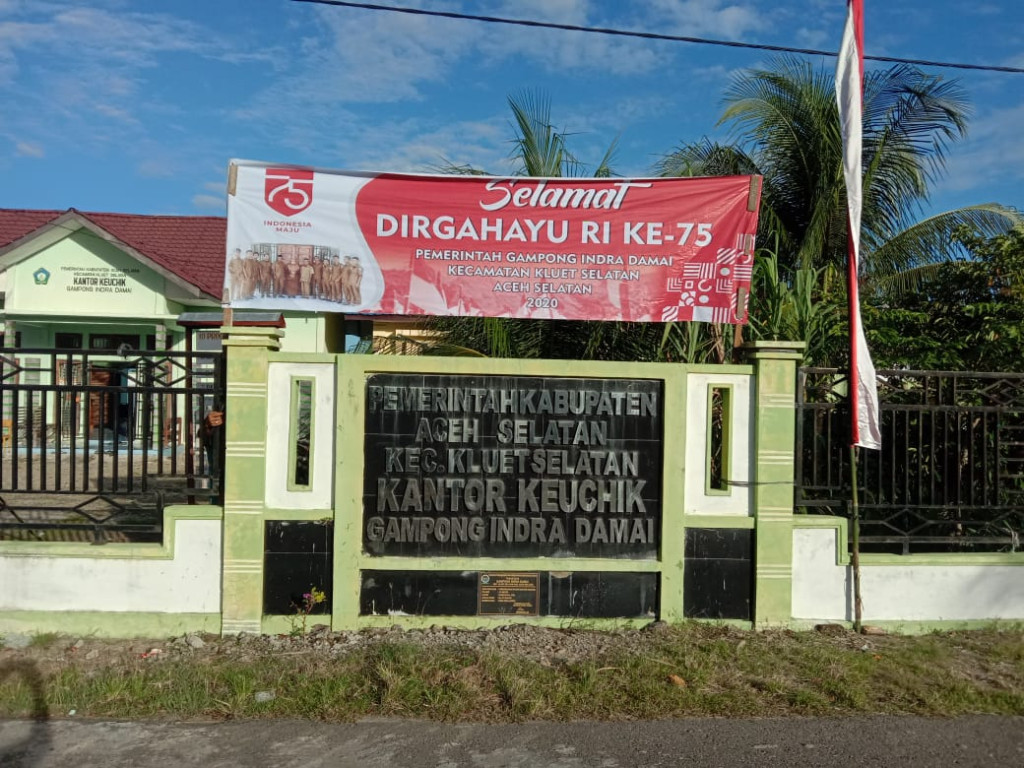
(853, 289)
(863, 395)
(858, 603)
(853, 396)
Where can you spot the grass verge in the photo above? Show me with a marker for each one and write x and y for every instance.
(691, 670)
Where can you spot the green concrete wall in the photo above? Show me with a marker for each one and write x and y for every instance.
(112, 623)
(250, 354)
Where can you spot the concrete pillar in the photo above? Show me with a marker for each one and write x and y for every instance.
(773, 474)
(248, 351)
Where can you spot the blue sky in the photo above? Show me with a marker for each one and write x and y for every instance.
(138, 105)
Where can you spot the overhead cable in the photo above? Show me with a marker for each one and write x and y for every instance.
(655, 35)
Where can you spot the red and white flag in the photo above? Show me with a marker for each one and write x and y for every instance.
(849, 92)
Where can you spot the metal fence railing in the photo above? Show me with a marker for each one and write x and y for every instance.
(950, 474)
(96, 443)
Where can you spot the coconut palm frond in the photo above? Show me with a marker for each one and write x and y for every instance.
(900, 263)
(451, 168)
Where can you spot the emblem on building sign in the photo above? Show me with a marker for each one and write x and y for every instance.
(288, 191)
(41, 276)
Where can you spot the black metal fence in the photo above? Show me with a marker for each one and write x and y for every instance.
(95, 444)
(950, 474)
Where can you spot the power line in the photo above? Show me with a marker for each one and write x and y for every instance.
(654, 35)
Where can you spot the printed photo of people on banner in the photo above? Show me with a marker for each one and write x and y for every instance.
(286, 270)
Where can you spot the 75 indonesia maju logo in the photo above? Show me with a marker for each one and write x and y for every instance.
(288, 191)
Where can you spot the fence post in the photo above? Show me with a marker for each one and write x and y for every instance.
(772, 474)
(245, 423)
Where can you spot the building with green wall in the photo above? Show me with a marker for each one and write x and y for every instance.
(110, 281)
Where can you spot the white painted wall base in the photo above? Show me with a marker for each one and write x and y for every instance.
(187, 582)
(823, 590)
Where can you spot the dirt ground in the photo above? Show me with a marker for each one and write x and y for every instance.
(545, 645)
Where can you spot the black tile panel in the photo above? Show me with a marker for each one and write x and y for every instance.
(563, 594)
(298, 555)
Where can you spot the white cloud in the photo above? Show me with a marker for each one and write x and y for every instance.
(116, 113)
(29, 149)
(412, 147)
(719, 18)
(96, 79)
(355, 56)
(558, 50)
(210, 203)
(817, 38)
(68, 58)
(159, 167)
(993, 155)
(115, 36)
(980, 9)
(363, 57)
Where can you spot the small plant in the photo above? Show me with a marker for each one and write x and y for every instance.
(310, 600)
(43, 639)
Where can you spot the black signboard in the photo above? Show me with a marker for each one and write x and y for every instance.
(508, 594)
(565, 594)
(512, 466)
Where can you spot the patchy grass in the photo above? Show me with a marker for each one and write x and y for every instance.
(43, 639)
(691, 670)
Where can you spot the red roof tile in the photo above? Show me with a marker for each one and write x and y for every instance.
(191, 247)
(15, 224)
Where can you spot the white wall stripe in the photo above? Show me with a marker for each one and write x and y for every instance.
(237, 628)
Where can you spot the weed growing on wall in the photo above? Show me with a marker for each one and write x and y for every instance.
(310, 600)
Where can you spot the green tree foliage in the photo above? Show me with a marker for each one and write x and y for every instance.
(968, 314)
(785, 126)
(795, 310)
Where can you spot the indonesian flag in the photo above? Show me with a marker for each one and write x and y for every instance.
(849, 92)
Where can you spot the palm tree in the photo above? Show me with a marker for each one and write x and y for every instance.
(539, 149)
(785, 126)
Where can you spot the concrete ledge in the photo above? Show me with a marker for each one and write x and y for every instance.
(108, 624)
(922, 591)
(841, 526)
(718, 521)
(163, 551)
(899, 627)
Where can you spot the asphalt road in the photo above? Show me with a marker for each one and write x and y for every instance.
(908, 742)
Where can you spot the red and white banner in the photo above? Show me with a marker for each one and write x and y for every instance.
(584, 249)
(865, 428)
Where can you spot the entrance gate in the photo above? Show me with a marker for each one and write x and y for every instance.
(95, 444)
